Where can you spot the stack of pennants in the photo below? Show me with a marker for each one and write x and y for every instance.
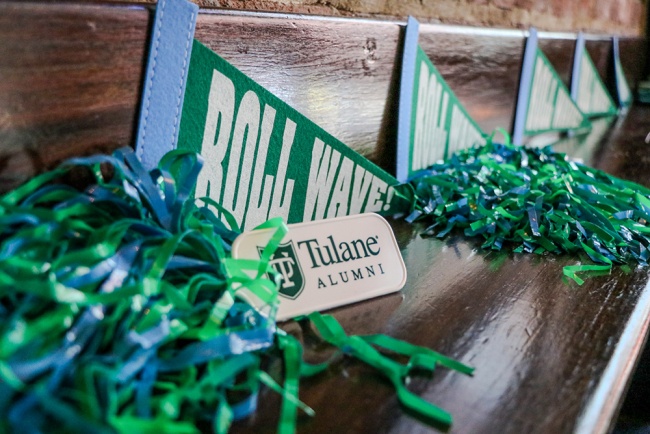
(545, 105)
(433, 124)
(264, 159)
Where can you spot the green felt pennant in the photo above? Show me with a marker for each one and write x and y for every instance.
(265, 159)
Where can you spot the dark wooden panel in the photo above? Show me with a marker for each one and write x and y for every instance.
(626, 155)
(600, 52)
(633, 58)
(69, 83)
(633, 54)
(559, 51)
(482, 68)
(70, 76)
(342, 74)
(559, 48)
(550, 357)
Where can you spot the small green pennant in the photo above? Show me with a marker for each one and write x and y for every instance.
(433, 124)
(550, 107)
(440, 125)
(587, 88)
(544, 104)
(264, 159)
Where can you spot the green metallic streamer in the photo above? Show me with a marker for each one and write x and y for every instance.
(120, 309)
(536, 200)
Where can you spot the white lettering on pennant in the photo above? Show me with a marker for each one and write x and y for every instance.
(592, 97)
(247, 197)
(341, 194)
(462, 133)
(246, 129)
(566, 115)
(420, 119)
(585, 85)
(362, 181)
(221, 109)
(258, 209)
(430, 136)
(337, 186)
(283, 191)
(376, 195)
(324, 162)
(436, 138)
(621, 83)
(540, 107)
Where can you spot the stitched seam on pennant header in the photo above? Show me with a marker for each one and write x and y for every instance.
(153, 74)
(180, 85)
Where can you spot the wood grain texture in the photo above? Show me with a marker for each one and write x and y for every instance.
(633, 53)
(560, 53)
(70, 79)
(71, 74)
(481, 67)
(69, 83)
(540, 344)
(600, 52)
(342, 74)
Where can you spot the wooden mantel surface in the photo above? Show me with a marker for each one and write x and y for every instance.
(550, 357)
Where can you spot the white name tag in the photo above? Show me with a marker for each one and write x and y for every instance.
(329, 263)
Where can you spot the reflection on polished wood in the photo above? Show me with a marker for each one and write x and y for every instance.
(541, 344)
(550, 357)
(71, 74)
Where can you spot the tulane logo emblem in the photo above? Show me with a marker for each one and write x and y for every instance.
(286, 263)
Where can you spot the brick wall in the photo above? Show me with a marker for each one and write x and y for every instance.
(623, 17)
